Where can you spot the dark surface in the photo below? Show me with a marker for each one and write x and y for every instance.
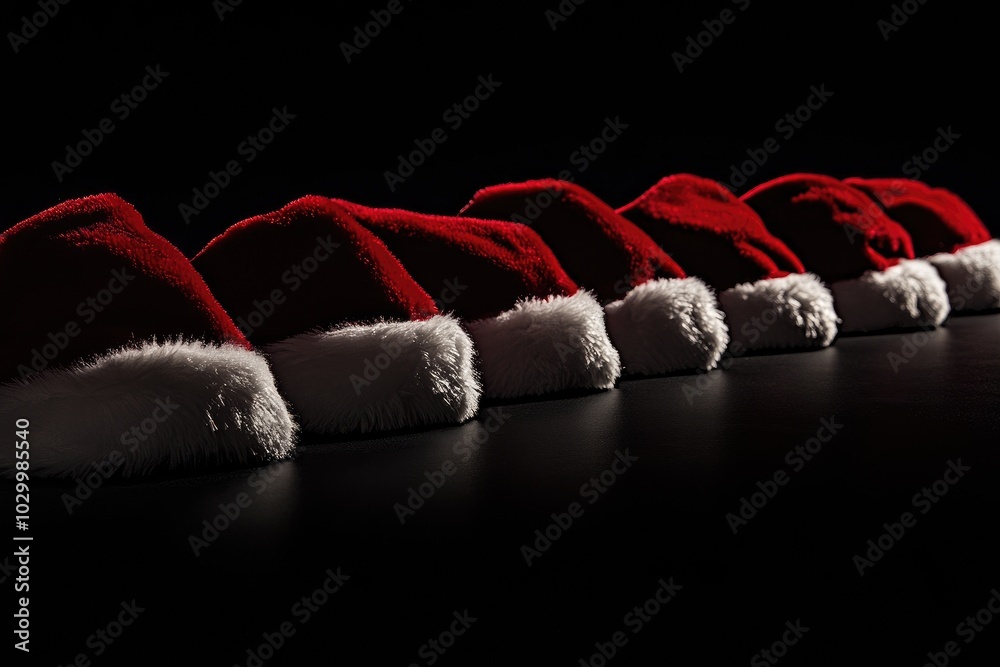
(665, 517)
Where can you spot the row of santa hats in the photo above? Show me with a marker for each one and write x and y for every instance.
(338, 318)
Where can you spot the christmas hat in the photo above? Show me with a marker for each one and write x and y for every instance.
(769, 299)
(658, 319)
(948, 233)
(355, 343)
(535, 331)
(846, 239)
(117, 359)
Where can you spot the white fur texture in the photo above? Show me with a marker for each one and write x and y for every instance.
(159, 406)
(379, 377)
(793, 311)
(668, 324)
(972, 275)
(910, 294)
(546, 345)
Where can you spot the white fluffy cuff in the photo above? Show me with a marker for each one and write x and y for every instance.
(789, 312)
(160, 406)
(379, 377)
(910, 294)
(668, 324)
(546, 345)
(972, 275)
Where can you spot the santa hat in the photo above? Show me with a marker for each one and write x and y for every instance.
(659, 319)
(355, 343)
(768, 298)
(116, 357)
(849, 241)
(535, 331)
(948, 233)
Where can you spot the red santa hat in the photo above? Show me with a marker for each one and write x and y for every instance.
(117, 357)
(849, 241)
(355, 343)
(948, 233)
(768, 298)
(659, 319)
(535, 330)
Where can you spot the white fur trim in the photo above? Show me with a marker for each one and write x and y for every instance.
(380, 376)
(972, 274)
(793, 311)
(668, 324)
(546, 345)
(158, 406)
(910, 294)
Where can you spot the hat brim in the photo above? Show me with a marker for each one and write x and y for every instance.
(546, 345)
(972, 275)
(794, 311)
(160, 406)
(667, 325)
(379, 377)
(909, 294)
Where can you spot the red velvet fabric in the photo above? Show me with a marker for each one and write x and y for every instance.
(710, 232)
(476, 268)
(283, 267)
(600, 249)
(128, 285)
(837, 231)
(937, 220)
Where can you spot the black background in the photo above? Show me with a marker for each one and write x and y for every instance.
(333, 505)
(606, 60)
